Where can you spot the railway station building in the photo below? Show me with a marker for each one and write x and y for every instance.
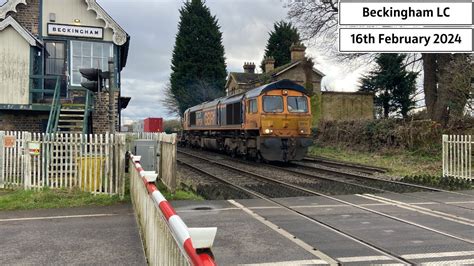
(43, 44)
(326, 105)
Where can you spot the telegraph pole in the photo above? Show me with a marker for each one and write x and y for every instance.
(111, 95)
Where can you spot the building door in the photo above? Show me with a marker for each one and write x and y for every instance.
(56, 65)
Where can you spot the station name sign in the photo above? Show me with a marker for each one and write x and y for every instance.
(406, 26)
(75, 31)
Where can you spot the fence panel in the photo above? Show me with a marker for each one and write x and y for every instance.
(92, 163)
(12, 161)
(457, 156)
(168, 160)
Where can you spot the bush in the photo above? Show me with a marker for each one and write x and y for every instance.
(422, 136)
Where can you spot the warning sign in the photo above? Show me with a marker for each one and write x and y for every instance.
(34, 148)
(9, 141)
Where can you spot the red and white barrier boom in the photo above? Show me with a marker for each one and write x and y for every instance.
(185, 237)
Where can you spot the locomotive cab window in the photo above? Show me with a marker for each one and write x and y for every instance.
(252, 106)
(272, 104)
(192, 118)
(297, 104)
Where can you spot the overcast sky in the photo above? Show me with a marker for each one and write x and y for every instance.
(152, 25)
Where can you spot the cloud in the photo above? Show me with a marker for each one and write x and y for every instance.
(153, 25)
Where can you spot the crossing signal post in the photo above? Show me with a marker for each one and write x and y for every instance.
(95, 79)
(96, 82)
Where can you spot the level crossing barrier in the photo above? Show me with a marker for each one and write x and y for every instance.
(457, 156)
(167, 239)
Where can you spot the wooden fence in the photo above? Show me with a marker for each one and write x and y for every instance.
(457, 156)
(93, 163)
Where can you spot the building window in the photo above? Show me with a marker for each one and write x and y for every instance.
(88, 55)
(55, 58)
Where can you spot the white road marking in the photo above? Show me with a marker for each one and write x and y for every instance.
(364, 258)
(56, 217)
(450, 262)
(438, 255)
(286, 234)
(290, 263)
(407, 206)
(460, 202)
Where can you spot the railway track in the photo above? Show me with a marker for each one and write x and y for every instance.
(350, 166)
(337, 173)
(434, 213)
(263, 195)
(381, 186)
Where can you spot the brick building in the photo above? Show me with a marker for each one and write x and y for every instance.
(299, 70)
(326, 105)
(43, 44)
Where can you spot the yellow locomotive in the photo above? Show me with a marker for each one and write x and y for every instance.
(271, 122)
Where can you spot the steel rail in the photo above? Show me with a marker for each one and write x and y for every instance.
(299, 213)
(363, 168)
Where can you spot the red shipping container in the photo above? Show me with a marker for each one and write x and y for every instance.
(153, 125)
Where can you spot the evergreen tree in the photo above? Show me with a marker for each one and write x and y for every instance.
(392, 84)
(198, 64)
(281, 38)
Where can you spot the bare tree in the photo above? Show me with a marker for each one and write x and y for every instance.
(445, 83)
(169, 101)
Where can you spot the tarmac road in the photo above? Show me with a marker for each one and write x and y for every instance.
(89, 235)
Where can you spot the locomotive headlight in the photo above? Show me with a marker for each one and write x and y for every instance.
(268, 131)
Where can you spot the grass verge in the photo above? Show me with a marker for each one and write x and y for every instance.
(62, 198)
(400, 163)
(53, 198)
(180, 194)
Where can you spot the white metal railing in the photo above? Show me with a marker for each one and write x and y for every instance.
(92, 163)
(167, 239)
(457, 156)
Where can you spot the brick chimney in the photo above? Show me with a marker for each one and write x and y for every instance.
(297, 52)
(269, 64)
(249, 67)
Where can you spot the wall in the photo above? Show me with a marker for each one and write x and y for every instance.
(297, 75)
(100, 115)
(14, 67)
(23, 121)
(347, 106)
(73, 9)
(27, 15)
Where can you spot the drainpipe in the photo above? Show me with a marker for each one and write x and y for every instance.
(111, 96)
